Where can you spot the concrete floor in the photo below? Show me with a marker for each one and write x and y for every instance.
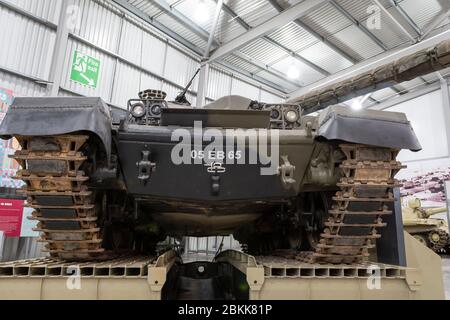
(446, 272)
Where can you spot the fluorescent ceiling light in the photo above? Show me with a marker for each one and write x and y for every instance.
(202, 13)
(358, 102)
(293, 73)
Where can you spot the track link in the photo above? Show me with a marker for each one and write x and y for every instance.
(57, 191)
(358, 209)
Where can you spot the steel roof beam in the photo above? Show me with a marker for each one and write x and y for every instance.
(297, 11)
(182, 19)
(372, 63)
(401, 98)
(405, 16)
(393, 19)
(295, 55)
(316, 35)
(204, 70)
(434, 23)
(142, 15)
(359, 25)
(264, 67)
(252, 76)
(247, 27)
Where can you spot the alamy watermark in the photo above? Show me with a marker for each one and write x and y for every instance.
(73, 18)
(374, 279)
(215, 149)
(74, 280)
(374, 19)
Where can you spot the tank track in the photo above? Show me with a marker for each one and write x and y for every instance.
(357, 211)
(56, 189)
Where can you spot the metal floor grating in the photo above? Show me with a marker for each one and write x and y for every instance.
(135, 267)
(290, 268)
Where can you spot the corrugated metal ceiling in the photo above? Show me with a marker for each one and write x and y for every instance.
(335, 33)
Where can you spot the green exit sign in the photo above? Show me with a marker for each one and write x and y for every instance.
(85, 69)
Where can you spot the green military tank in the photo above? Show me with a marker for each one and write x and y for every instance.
(432, 232)
(103, 181)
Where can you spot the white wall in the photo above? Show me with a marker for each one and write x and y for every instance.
(426, 114)
(133, 55)
(430, 122)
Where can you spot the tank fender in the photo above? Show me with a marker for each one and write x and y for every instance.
(56, 116)
(370, 127)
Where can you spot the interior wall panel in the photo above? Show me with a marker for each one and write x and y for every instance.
(131, 43)
(98, 24)
(219, 84)
(29, 44)
(45, 9)
(126, 86)
(180, 68)
(268, 97)
(106, 73)
(153, 53)
(21, 86)
(426, 114)
(245, 89)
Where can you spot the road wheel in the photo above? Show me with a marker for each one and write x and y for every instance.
(438, 240)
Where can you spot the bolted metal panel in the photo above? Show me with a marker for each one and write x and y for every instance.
(29, 44)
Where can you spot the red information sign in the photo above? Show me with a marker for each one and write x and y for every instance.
(11, 212)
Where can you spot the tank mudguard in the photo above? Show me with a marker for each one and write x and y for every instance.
(370, 127)
(57, 116)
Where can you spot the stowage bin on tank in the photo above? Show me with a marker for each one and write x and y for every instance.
(103, 180)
